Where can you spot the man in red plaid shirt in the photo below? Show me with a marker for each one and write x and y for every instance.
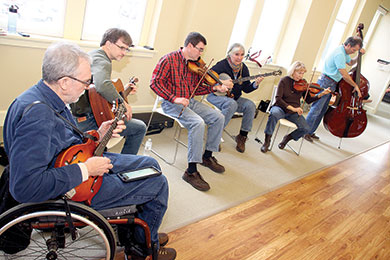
(175, 82)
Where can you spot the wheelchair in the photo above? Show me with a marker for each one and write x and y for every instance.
(62, 229)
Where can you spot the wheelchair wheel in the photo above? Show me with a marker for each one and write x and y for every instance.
(41, 231)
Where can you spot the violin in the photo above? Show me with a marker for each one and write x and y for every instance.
(313, 88)
(211, 77)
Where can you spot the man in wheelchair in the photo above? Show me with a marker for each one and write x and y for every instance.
(35, 135)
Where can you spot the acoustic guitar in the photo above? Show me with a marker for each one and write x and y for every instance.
(81, 152)
(224, 76)
(101, 108)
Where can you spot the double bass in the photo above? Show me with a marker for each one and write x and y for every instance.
(348, 118)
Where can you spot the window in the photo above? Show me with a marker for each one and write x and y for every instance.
(44, 17)
(343, 16)
(380, 12)
(241, 24)
(269, 27)
(102, 14)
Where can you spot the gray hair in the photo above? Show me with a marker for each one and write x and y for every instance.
(62, 59)
(353, 41)
(235, 47)
(297, 65)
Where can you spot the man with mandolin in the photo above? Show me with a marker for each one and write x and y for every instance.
(114, 45)
(39, 128)
(334, 71)
(177, 81)
(232, 67)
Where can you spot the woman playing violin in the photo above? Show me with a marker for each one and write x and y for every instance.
(233, 66)
(287, 105)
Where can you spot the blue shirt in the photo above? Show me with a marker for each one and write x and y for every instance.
(335, 61)
(33, 139)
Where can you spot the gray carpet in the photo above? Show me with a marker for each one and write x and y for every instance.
(252, 173)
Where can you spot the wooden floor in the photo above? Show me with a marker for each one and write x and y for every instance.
(341, 212)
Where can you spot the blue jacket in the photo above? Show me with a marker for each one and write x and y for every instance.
(33, 139)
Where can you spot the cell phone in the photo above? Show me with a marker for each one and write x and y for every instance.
(139, 174)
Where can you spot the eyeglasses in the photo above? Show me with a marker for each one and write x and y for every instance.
(199, 49)
(122, 48)
(87, 83)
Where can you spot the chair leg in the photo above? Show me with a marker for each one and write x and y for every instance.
(257, 139)
(275, 135)
(340, 143)
(176, 137)
(230, 135)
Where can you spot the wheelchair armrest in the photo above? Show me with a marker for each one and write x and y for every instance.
(118, 211)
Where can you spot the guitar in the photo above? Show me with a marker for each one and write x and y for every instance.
(224, 76)
(101, 108)
(81, 152)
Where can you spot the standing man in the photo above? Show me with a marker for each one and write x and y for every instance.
(175, 83)
(34, 136)
(114, 45)
(334, 70)
(233, 66)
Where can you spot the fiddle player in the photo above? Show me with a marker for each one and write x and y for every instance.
(235, 68)
(175, 83)
(334, 71)
(114, 45)
(287, 105)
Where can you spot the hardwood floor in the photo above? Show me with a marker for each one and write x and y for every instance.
(341, 212)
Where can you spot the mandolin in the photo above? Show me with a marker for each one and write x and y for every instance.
(224, 76)
(81, 152)
(101, 108)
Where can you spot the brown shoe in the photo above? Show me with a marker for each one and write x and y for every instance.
(196, 180)
(163, 239)
(166, 253)
(308, 138)
(314, 136)
(213, 164)
(285, 140)
(240, 139)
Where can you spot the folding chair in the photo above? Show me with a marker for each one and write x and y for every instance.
(203, 99)
(157, 109)
(283, 122)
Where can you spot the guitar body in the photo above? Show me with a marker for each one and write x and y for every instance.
(77, 154)
(101, 108)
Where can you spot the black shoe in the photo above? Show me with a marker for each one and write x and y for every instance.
(196, 180)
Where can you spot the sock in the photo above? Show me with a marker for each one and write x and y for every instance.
(207, 154)
(244, 133)
(191, 167)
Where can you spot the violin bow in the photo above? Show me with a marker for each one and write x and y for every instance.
(307, 90)
(197, 85)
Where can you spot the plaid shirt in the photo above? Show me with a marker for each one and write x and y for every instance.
(172, 79)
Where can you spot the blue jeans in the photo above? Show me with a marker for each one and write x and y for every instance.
(195, 117)
(319, 107)
(134, 132)
(151, 193)
(277, 113)
(229, 106)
